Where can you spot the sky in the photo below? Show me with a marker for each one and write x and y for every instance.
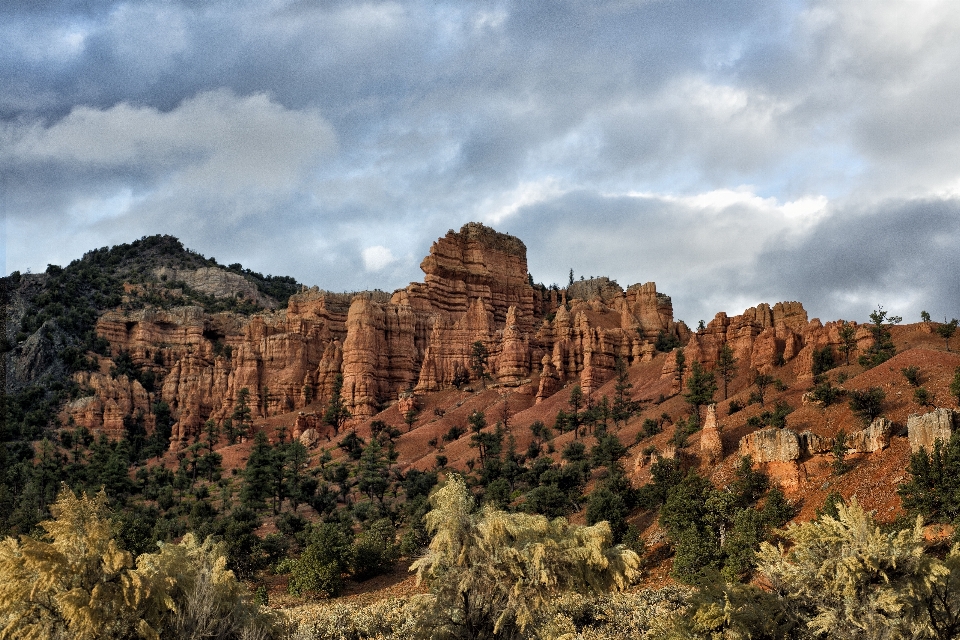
(733, 152)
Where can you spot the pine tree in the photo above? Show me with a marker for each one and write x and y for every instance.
(576, 403)
(479, 357)
(372, 471)
(681, 366)
(257, 475)
(701, 387)
(848, 340)
(946, 331)
(883, 348)
(762, 381)
(242, 418)
(726, 366)
(336, 414)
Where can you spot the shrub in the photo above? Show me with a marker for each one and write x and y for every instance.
(823, 391)
(912, 374)
(327, 556)
(933, 490)
(374, 550)
(497, 574)
(80, 584)
(922, 397)
(837, 577)
(867, 404)
(823, 360)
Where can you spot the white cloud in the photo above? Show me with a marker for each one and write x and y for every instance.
(376, 258)
(497, 207)
(216, 140)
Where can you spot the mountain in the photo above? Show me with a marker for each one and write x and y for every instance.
(136, 360)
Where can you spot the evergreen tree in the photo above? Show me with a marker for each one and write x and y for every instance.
(257, 475)
(301, 486)
(336, 414)
(726, 366)
(883, 348)
(479, 356)
(761, 381)
(373, 471)
(848, 340)
(933, 489)
(680, 366)
(242, 417)
(575, 403)
(822, 360)
(701, 387)
(946, 331)
(159, 441)
(867, 404)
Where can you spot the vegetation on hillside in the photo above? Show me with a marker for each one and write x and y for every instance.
(166, 549)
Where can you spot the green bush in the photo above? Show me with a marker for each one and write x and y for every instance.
(867, 404)
(374, 550)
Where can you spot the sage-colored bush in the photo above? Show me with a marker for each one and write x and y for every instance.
(494, 574)
(76, 583)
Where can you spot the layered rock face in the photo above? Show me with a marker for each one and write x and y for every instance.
(774, 444)
(924, 430)
(111, 401)
(476, 289)
(771, 445)
(875, 437)
(760, 337)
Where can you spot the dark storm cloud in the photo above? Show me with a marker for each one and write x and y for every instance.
(900, 254)
(334, 141)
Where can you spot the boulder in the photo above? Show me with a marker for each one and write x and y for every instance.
(924, 430)
(309, 438)
(876, 437)
(772, 444)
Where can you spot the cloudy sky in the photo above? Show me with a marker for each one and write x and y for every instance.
(734, 152)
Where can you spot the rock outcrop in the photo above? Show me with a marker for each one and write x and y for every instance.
(876, 437)
(476, 289)
(761, 337)
(772, 444)
(924, 430)
(711, 446)
(216, 282)
(111, 400)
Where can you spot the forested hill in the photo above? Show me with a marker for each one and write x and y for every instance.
(50, 316)
(323, 442)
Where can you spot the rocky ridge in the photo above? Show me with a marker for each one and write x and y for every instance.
(476, 288)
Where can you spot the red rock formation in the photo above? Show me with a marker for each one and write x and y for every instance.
(476, 288)
(513, 363)
(112, 400)
(760, 337)
(476, 263)
(549, 380)
(711, 446)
